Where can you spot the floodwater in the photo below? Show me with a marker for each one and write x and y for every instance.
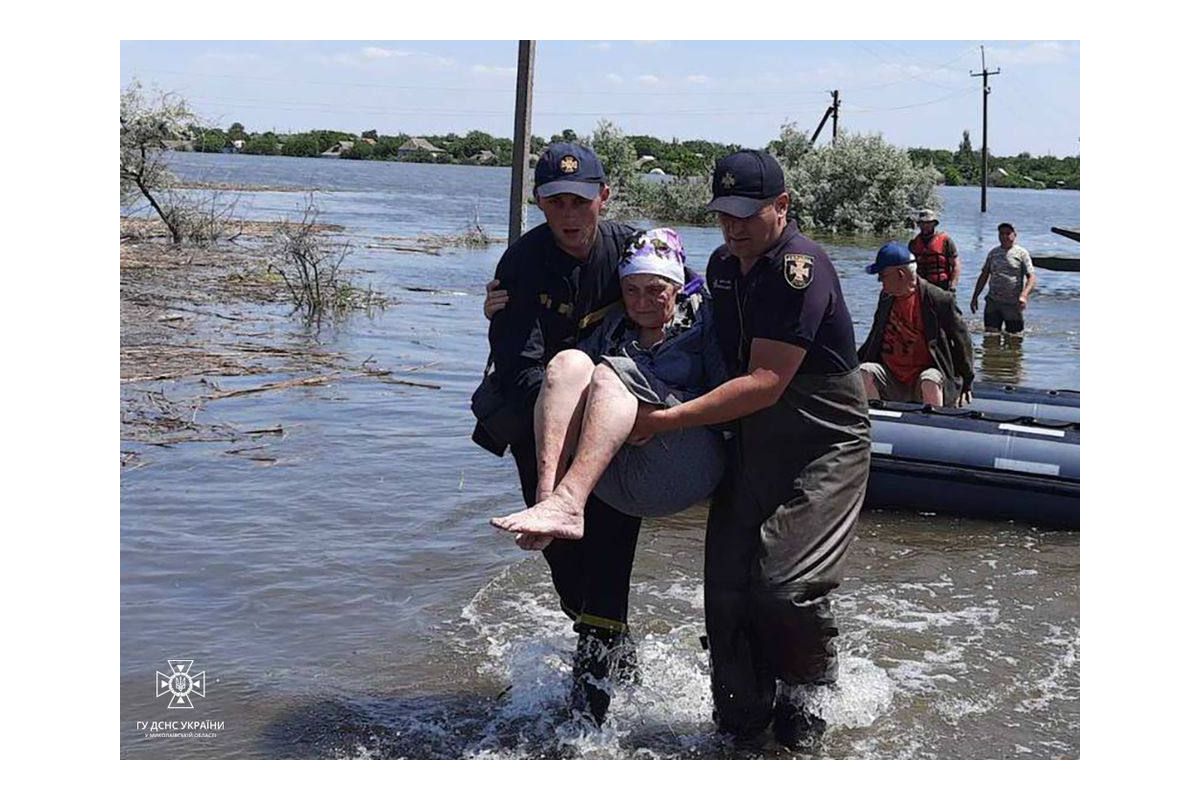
(350, 599)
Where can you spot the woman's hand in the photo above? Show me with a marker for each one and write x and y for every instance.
(495, 300)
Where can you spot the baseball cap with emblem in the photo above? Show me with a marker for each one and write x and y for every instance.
(892, 254)
(567, 167)
(744, 181)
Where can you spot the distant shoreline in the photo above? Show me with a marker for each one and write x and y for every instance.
(265, 188)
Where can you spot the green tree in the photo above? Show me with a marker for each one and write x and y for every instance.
(209, 140)
(503, 149)
(475, 142)
(386, 148)
(966, 159)
(236, 131)
(418, 157)
(262, 144)
(371, 134)
(302, 145)
(329, 138)
(361, 150)
(616, 153)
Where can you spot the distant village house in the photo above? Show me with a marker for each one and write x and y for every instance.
(337, 150)
(418, 144)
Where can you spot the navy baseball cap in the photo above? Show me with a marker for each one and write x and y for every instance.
(568, 167)
(892, 254)
(744, 181)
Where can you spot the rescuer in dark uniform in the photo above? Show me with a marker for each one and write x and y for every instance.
(560, 278)
(781, 522)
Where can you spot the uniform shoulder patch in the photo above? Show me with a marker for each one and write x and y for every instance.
(797, 270)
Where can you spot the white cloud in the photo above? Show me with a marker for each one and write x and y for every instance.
(697, 79)
(613, 77)
(339, 60)
(648, 80)
(373, 53)
(1033, 53)
(376, 55)
(230, 59)
(483, 69)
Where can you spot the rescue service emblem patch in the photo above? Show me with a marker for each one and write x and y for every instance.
(728, 181)
(797, 269)
(569, 164)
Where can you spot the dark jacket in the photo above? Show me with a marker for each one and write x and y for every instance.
(552, 302)
(945, 333)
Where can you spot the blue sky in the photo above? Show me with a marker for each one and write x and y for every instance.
(916, 93)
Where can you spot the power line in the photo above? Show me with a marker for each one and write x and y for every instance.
(885, 57)
(912, 105)
(494, 90)
(930, 64)
(391, 109)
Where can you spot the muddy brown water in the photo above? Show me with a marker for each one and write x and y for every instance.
(343, 594)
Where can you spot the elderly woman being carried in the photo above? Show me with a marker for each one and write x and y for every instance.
(659, 350)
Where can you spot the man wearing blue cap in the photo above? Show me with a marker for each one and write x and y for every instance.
(558, 281)
(781, 522)
(919, 349)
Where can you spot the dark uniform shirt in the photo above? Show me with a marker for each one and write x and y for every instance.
(552, 300)
(791, 295)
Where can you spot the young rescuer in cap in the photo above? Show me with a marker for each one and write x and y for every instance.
(560, 279)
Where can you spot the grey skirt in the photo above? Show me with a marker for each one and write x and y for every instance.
(670, 473)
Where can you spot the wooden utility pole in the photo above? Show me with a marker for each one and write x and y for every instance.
(831, 111)
(986, 91)
(836, 104)
(519, 187)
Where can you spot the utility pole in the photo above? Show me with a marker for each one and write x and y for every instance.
(986, 91)
(836, 104)
(523, 114)
(831, 111)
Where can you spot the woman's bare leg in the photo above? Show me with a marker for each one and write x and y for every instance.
(558, 414)
(557, 418)
(607, 421)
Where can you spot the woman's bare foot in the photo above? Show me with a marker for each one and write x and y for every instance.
(530, 541)
(555, 516)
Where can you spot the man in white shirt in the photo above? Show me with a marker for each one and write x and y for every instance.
(1008, 271)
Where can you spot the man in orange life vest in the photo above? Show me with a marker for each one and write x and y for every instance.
(937, 257)
(918, 350)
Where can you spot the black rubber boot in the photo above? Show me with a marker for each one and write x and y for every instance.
(625, 667)
(796, 727)
(590, 686)
(599, 656)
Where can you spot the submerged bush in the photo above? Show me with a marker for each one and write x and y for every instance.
(857, 184)
(310, 266)
(674, 201)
